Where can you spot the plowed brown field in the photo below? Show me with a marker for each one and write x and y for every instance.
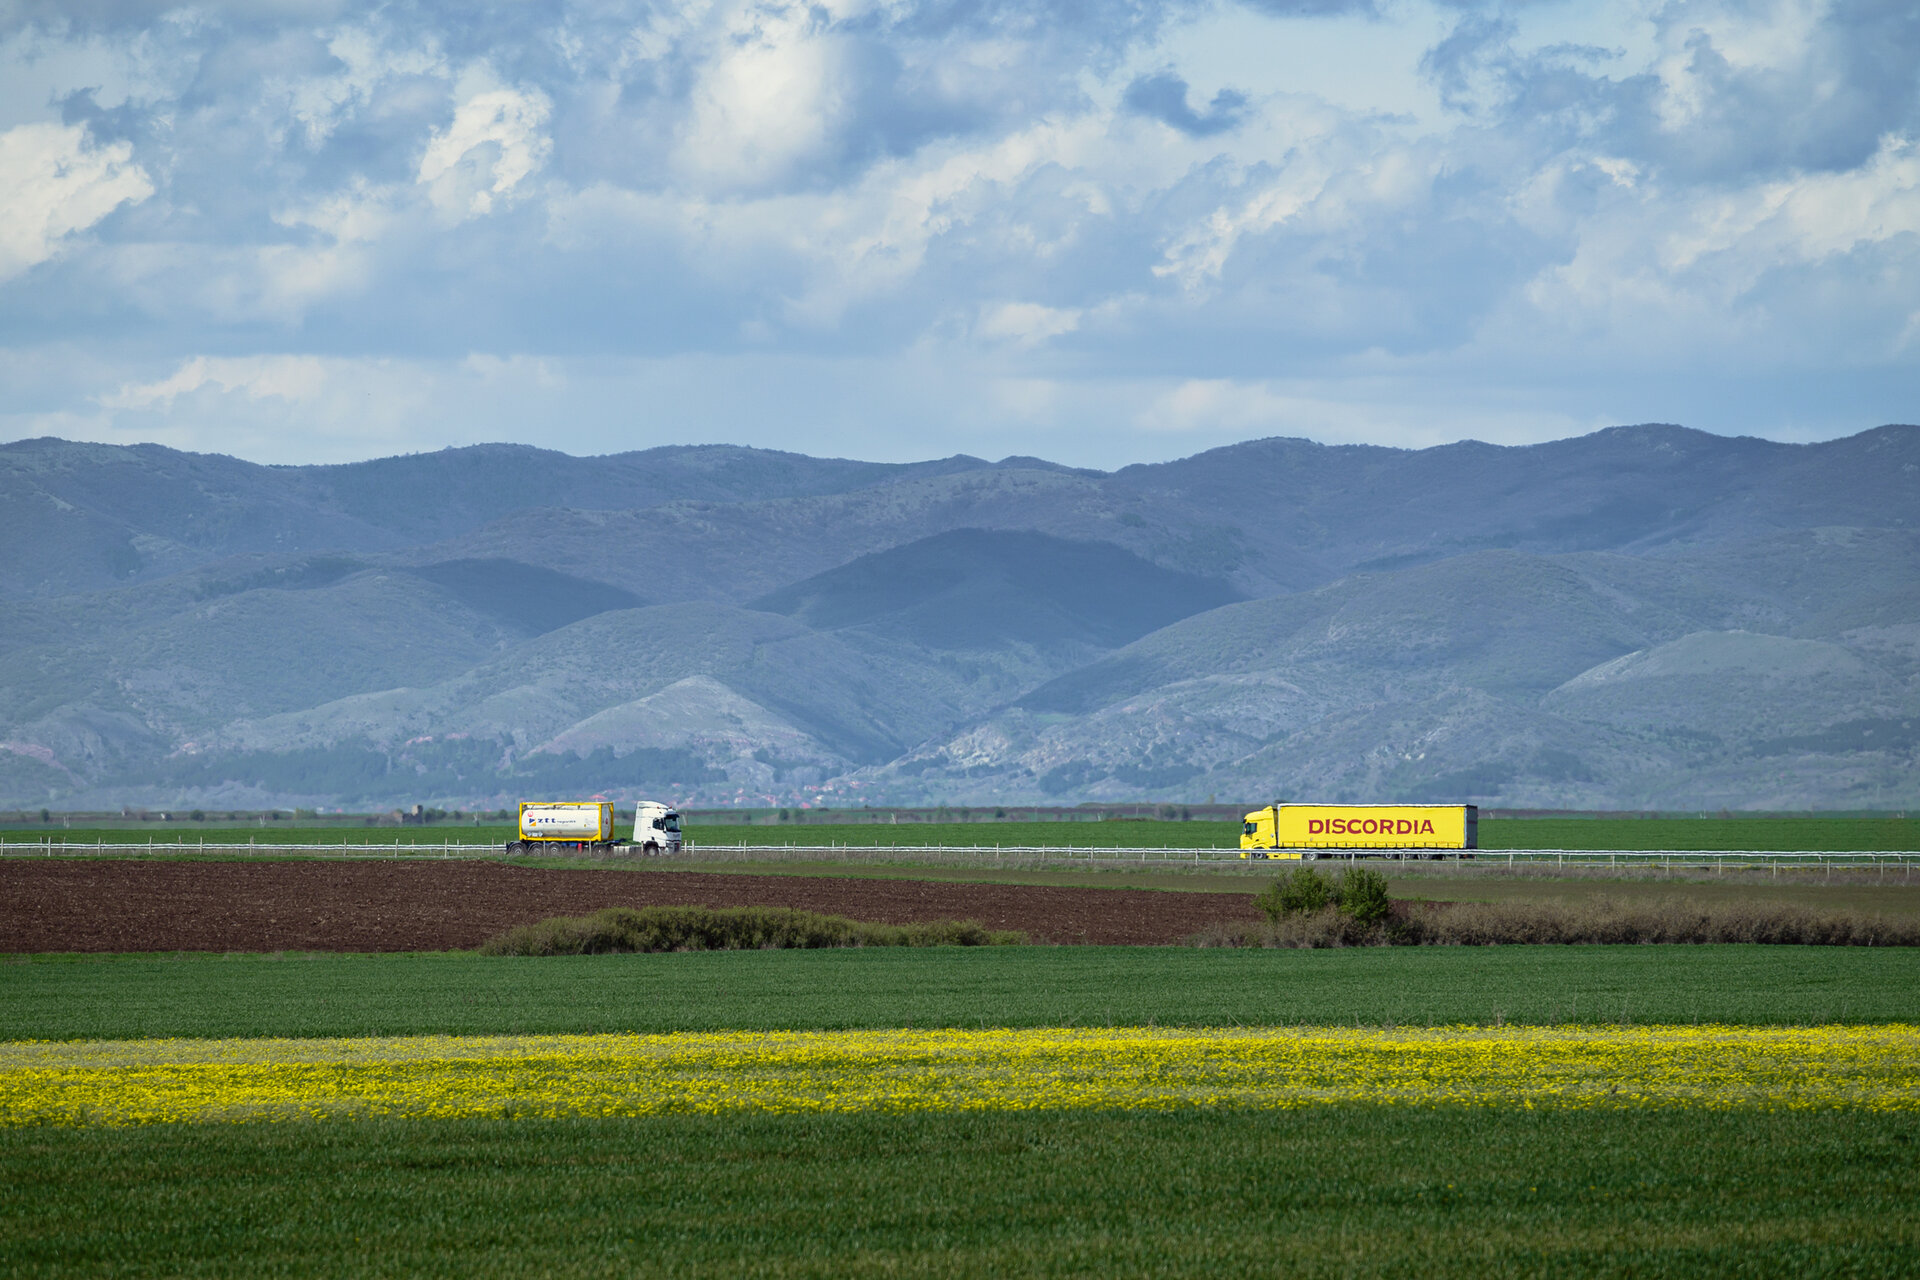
(97, 905)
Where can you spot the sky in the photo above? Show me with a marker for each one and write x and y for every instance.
(317, 231)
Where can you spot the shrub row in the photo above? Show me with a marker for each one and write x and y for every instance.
(627, 929)
(1475, 924)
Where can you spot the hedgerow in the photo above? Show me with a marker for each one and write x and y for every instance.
(1474, 924)
(619, 930)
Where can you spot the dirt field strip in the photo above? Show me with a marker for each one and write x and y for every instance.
(89, 905)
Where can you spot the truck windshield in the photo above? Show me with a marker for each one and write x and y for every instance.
(673, 822)
(1248, 829)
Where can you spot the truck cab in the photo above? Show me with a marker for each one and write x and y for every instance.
(1260, 835)
(656, 828)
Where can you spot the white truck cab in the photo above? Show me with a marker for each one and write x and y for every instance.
(656, 828)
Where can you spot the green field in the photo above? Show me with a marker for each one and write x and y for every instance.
(1320, 1193)
(1784, 833)
(1131, 833)
(343, 995)
(1325, 1191)
(1207, 1191)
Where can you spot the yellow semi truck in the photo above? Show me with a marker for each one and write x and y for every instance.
(1310, 831)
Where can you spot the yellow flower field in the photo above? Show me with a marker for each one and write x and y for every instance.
(1709, 1067)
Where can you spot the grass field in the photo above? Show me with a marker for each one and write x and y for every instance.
(1205, 1192)
(1436, 1191)
(1334, 1190)
(1783, 833)
(335, 995)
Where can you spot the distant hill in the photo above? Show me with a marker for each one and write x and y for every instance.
(107, 515)
(1643, 616)
(1631, 489)
(524, 596)
(1268, 514)
(985, 589)
(1583, 680)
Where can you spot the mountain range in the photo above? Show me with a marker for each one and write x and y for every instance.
(1642, 617)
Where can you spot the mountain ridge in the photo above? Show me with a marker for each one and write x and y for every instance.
(1345, 620)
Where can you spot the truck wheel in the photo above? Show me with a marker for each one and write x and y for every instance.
(651, 849)
(1311, 855)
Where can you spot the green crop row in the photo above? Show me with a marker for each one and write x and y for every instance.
(1333, 1192)
(345, 995)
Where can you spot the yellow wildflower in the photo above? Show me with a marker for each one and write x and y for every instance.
(1710, 1067)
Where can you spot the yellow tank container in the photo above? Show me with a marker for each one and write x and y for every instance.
(1306, 830)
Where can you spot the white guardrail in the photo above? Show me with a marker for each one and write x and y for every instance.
(1027, 855)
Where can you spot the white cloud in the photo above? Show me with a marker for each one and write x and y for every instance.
(359, 214)
(813, 255)
(769, 101)
(1682, 276)
(1200, 253)
(52, 185)
(290, 378)
(495, 142)
(1026, 324)
(283, 408)
(316, 106)
(1775, 36)
(1357, 412)
(1351, 60)
(1821, 215)
(320, 104)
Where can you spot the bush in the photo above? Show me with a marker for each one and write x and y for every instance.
(1300, 892)
(1362, 895)
(626, 930)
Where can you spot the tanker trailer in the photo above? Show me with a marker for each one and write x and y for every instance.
(576, 824)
